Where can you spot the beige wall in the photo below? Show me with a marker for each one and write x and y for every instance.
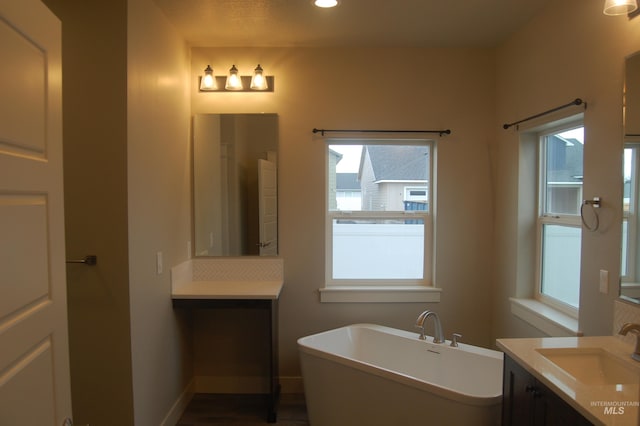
(127, 179)
(159, 199)
(127, 196)
(354, 89)
(569, 50)
(95, 179)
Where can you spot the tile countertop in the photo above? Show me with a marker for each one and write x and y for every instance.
(588, 400)
(232, 289)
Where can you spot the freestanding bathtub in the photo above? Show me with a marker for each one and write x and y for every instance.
(366, 374)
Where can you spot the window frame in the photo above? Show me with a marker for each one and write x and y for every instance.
(426, 216)
(631, 217)
(559, 219)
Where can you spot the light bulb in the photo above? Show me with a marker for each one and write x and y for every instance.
(234, 82)
(208, 81)
(258, 81)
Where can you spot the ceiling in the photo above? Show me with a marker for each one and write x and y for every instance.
(370, 23)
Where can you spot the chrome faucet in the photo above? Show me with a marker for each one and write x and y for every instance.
(635, 328)
(438, 336)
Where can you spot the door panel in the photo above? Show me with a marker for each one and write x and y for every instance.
(34, 355)
(268, 207)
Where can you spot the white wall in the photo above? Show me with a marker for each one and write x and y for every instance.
(569, 50)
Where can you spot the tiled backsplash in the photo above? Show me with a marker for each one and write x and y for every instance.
(249, 269)
(624, 312)
(234, 269)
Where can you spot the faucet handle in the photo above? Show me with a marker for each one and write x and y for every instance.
(454, 339)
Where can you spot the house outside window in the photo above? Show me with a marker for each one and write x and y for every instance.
(384, 239)
(559, 223)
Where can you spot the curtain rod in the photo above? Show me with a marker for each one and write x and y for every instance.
(440, 132)
(577, 101)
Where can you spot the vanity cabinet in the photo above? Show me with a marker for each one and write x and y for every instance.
(528, 402)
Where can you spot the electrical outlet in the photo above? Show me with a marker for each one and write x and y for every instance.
(604, 281)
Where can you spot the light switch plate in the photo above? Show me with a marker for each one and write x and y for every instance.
(604, 281)
(159, 263)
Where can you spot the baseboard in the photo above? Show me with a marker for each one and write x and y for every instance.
(178, 407)
(246, 385)
(291, 385)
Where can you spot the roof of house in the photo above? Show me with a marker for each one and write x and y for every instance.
(347, 182)
(566, 160)
(405, 162)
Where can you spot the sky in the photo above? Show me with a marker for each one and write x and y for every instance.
(351, 158)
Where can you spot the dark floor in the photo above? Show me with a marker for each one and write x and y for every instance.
(243, 410)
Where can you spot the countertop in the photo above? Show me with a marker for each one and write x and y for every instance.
(588, 400)
(227, 289)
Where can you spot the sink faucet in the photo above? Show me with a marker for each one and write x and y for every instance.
(635, 328)
(438, 336)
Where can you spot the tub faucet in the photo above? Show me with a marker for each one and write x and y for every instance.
(635, 328)
(438, 336)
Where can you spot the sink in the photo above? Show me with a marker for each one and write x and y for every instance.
(592, 366)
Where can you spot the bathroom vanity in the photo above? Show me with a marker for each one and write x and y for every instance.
(569, 380)
(232, 284)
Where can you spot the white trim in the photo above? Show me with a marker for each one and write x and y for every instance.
(379, 294)
(178, 407)
(426, 216)
(543, 317)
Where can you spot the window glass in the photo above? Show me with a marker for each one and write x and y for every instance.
(560, 231)
(378, 211)
(561, 263)
(629, 214)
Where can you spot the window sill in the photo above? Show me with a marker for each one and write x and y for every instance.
(546, 319)
(379, 294)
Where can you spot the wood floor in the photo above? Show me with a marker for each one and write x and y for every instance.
(245, 410)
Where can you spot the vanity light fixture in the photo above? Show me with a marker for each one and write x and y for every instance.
(234, 82)
(619, 7)
(326, 3)
(208, 81)
(258, 82)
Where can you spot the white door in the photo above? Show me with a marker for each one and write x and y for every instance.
(34, 354)
(268, 207)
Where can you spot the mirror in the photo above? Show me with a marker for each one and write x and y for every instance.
(630, 268)
(235, 184)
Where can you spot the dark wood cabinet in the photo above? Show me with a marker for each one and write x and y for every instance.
(528, 402)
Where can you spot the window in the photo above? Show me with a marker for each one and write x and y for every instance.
(559, 225)
(383, 237)
(630, 218)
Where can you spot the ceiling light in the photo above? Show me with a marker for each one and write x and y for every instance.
(326, 3)
(619, 7)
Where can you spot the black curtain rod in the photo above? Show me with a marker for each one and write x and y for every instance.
(577, 101)
(440, 132)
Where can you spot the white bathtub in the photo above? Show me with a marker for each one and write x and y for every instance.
(371, 375)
